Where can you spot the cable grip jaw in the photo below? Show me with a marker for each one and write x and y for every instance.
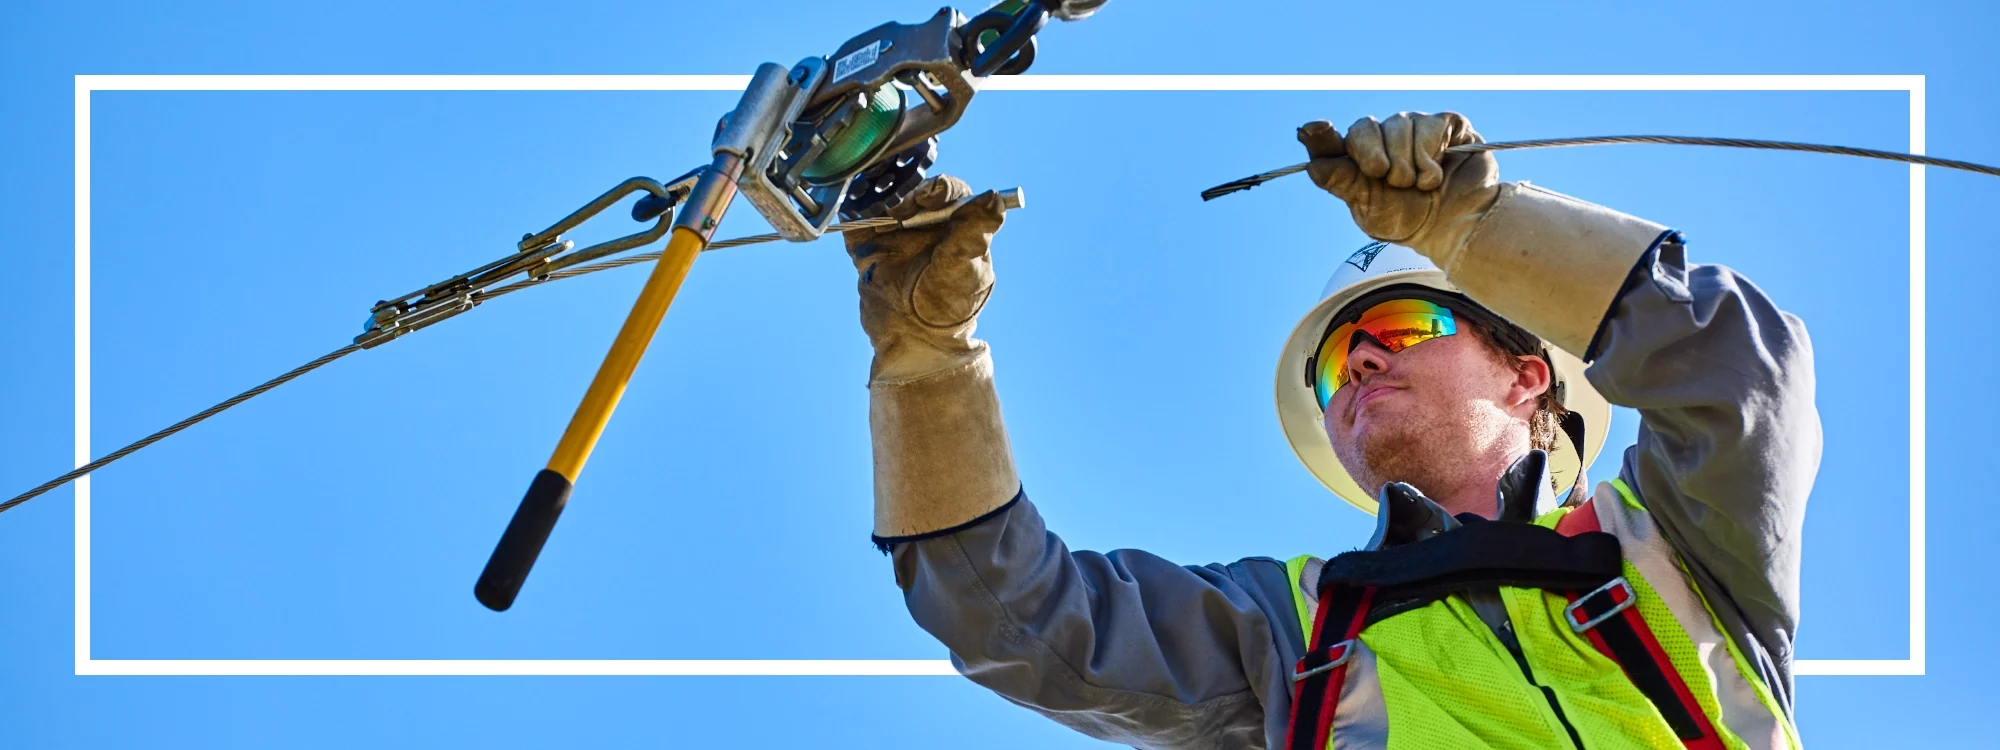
(537, 255)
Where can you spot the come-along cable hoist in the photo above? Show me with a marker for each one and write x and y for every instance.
(846, 136)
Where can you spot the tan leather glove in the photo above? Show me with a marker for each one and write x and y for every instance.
(1549, 262)
(941, 452)
(922, 288)
(1399, 183)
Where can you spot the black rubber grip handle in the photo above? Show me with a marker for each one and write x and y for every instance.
(508, 568)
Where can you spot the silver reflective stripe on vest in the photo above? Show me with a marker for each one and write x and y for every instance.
(1650, 552)
(1361, 721)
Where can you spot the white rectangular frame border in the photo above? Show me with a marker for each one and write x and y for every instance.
(85, 84)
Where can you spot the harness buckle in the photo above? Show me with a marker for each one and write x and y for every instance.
(1335, 655)
(1617, 590)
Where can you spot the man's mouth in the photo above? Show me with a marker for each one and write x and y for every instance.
(1370, 393)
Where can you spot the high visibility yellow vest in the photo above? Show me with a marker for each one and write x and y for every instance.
(1437, 676)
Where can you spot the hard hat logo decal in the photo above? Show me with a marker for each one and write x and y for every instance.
(1365, 257)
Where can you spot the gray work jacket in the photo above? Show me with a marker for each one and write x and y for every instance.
(1131, 648)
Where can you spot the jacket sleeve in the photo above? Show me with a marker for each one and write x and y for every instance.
(1125, 647)
(1729, 437)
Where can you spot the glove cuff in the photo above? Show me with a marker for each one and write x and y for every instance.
(941, 452)
(908, 361)
(1548, 262)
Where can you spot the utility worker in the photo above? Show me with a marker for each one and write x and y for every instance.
(1440, 384)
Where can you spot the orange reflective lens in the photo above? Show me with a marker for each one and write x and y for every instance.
(1397, 324)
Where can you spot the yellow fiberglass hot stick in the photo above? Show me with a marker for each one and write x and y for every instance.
(529, 529)
(609, 385)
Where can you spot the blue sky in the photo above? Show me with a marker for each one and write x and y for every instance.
(725, 513)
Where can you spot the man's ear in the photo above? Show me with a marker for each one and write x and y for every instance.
(1532, 378)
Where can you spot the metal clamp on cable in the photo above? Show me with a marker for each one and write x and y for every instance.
(537, 255)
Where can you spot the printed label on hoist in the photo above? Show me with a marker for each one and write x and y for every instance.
(856, 61)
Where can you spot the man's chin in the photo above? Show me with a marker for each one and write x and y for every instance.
(1372, 420)
(1396, 455)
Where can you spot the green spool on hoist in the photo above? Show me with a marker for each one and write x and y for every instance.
(863, 135)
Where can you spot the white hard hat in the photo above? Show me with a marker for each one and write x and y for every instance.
(1375, 266)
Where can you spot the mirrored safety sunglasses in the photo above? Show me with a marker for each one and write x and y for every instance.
(1396, 324)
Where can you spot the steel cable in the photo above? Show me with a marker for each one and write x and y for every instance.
(1869, 153)
(181, 425)
(351, 348)
(621, 262)
(1209, 194)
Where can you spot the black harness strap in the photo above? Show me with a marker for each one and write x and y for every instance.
(1483, 553)
(1343, 611)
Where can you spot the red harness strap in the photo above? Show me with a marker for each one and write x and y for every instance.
(1343, 610)
(1580, 519)
(1607, 618)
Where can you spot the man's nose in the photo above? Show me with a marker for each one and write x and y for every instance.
(1366, 359)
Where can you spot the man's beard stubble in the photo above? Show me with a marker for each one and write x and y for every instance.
(1397, 450)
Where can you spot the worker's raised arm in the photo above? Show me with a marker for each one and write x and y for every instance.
(1729, 440)
(941, 454)
(1729, 437)
(1126, 647)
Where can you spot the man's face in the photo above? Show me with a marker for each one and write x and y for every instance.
(1408, 416)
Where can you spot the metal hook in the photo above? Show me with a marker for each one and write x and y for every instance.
(659, 202)
(537, 256)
